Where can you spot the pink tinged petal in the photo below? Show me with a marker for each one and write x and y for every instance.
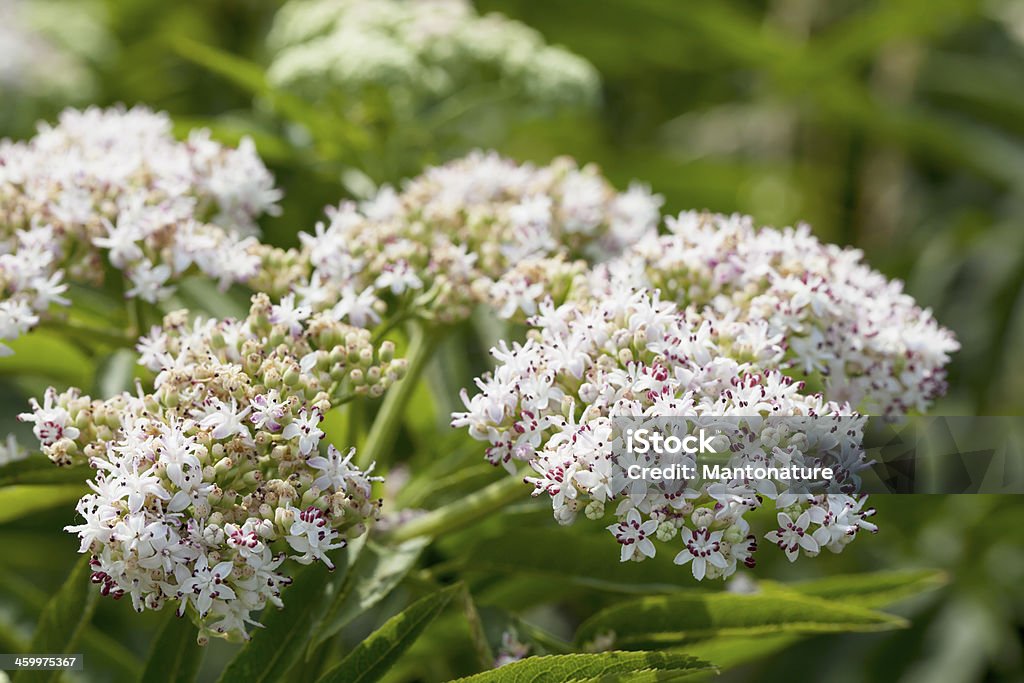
(808, 543)
(784, 520)
(223, 570)
(646, 547)
(649, 527)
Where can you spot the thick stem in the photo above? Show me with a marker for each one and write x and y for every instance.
(389, 418)
(461, 513)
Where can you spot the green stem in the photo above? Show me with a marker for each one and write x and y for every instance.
(389, 418)
(461, 513)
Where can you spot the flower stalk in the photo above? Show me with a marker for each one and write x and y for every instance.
(460, 513)
(382, 433)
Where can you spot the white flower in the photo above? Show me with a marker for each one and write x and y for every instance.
(792, 535)
(288, 314)
(632, 534)
(206, 585)
(306, 428)
(703, 547)
(311, 536)
(226, 420)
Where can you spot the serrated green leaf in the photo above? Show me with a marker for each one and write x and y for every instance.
(374, 656)
(175, 655)
(667, 619)
(585, 667)
(870, 590)
(371, 578)
(37, 469)
(274, 649)
(62, 620)
(23, 499)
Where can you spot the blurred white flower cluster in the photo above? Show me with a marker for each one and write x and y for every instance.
(417, 51)
(44, 47)
(114, 186)
(205, 486)
(813, 310)
(478, 229)
(624, 353)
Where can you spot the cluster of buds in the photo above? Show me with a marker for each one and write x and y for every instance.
(479, 229)
(560, 403)
(206, 486)
(115, 186)
(417, 52)
(822, 315)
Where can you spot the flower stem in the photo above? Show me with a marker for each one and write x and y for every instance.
(389, 418)
(460, 513)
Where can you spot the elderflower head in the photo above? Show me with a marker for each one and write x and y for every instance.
(815, 311)
(208, 486)
(418, 51)
(557, 401)
(481, 229)
(115, 186)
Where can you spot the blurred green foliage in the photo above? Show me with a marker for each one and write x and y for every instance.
(895, 126)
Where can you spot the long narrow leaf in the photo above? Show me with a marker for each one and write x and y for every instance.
(585, 667)
(372, 577)
(374, 656)
(175, 655)
(668, 619)
(62, 620)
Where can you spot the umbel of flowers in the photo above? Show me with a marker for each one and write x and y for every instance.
(210, 486)
(553, 402)
(416, 52)
(815, 311)
(481, 229)
(115, 187)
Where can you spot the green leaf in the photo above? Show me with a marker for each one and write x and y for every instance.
(582, 559)
(175, 655)
(375, 655)
(47, 354)
(274, 649)
(668, 619)
(115, 373)
(37, 469)
(23, 499)
(373, 576)
(62, 620)
(588, 667)
(870, 590)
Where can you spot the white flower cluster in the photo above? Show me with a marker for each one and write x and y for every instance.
(205, 486)
(555, 401)
(478, 229)
(114, 185)
(34, 60)
(814, 310)
(416, 51)
(11, 450)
